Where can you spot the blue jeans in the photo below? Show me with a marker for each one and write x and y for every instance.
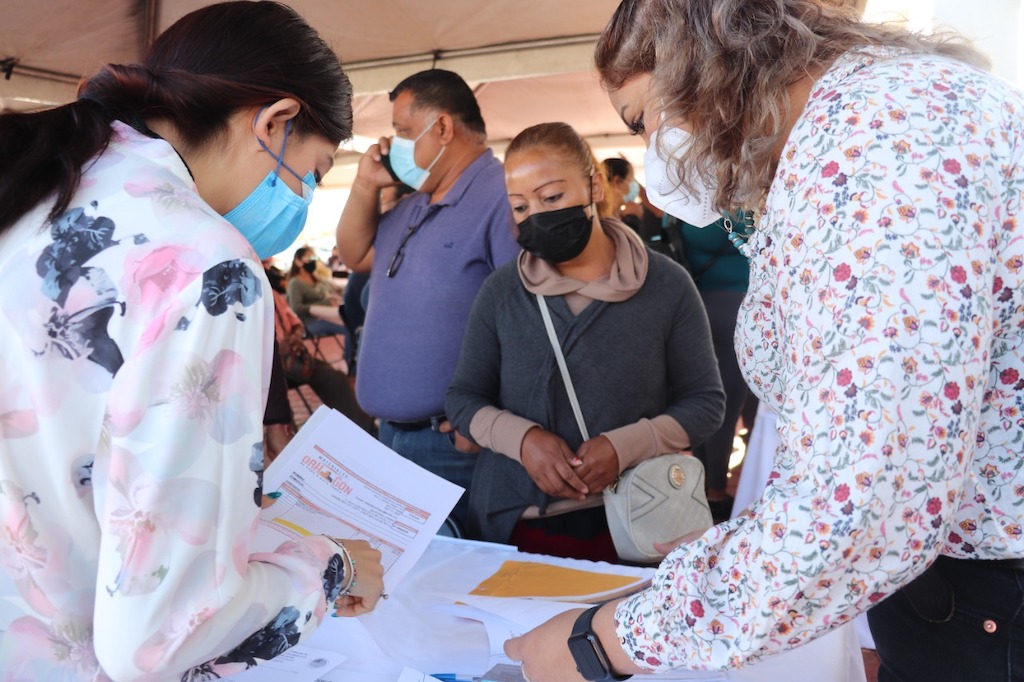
(960, 620)
(435, 452)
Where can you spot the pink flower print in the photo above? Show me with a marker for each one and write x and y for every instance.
(951, 166)
(901, 147)
(203, 400)
(842, 493)
(906, 211)
(147, 518)
(844, 377)
(154, 275)
(958, 274)
(1009, 376)
(18, 424)
(22, 555)
(933, 506)
(35, 648)
(164, 189)
(968, 526)
(842, 272)
(696, 608)
(830, 169)
(952, 390)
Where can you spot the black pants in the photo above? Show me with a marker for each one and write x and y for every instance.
(960, 620)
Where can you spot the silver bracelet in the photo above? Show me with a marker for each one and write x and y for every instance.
(350, 585)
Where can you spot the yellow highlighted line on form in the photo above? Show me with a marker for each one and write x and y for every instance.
(288, 524)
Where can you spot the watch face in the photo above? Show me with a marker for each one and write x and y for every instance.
(589, 659)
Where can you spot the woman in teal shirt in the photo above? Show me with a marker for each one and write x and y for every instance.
(720, 272)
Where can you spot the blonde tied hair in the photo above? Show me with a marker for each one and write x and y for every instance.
(726, 66)
(560, 138)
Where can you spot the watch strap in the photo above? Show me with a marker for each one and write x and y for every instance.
(583, 627)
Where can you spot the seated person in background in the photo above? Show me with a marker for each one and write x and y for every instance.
(335, 265)
(306, 289)
(331, 385)
(636, 342)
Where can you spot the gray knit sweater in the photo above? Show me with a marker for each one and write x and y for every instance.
(640, 358)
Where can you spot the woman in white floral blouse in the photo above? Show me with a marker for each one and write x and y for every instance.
(884, 323)
(136, 329)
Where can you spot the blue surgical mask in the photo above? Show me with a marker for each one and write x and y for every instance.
(633, 193)
(273, 215)
(403, 159)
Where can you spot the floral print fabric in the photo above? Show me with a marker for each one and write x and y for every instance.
(884, 324)
(134, 358)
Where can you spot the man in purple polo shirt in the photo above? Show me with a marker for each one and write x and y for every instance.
(428, 257)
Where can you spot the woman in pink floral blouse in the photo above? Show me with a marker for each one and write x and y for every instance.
(136, 332)
(884, 324)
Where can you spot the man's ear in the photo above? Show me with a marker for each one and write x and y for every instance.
(445, 128)
(270, 121)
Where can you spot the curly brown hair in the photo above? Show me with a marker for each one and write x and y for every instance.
(726, 67)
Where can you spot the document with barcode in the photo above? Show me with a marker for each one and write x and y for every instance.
(337, 480)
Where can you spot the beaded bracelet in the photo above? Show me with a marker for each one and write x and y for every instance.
(350, 585)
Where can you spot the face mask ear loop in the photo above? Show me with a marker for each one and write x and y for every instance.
(284, 143)
(590, 204)
(280, 158)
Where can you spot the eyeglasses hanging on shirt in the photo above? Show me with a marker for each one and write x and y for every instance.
(419, 216)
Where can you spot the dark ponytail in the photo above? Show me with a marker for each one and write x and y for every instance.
(197, 74)
(42, 154)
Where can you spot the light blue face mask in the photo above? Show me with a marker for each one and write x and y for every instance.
(273, 215)
(633, 193)
(403, 159)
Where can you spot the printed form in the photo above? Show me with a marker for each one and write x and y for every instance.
(335, 479)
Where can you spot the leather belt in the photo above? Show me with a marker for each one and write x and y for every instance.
(1012, 564)
(432, 423)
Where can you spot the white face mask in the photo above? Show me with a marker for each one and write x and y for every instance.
(663, 188)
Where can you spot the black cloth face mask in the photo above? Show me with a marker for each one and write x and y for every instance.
(309, 266)
(556, 236)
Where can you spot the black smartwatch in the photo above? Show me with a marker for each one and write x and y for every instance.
(591, 659)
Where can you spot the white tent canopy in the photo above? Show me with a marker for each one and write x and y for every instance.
(529, 61)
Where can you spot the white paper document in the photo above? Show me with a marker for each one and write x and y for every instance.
(335, 479)
(298, 664)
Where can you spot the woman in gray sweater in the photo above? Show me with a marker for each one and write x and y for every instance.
(635, 338)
